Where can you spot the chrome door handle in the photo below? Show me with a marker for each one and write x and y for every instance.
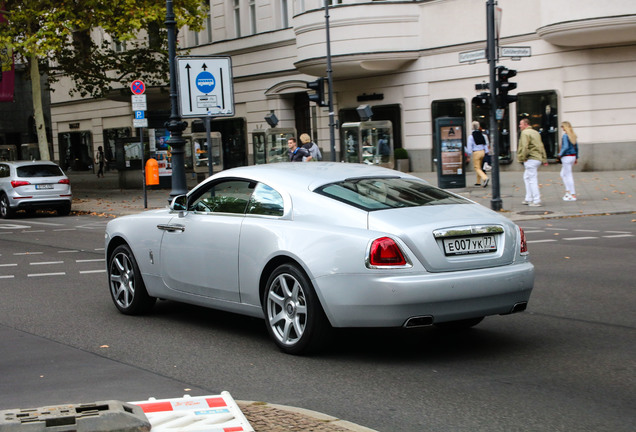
(171, 228)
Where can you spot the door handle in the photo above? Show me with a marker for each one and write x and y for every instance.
(171, 228)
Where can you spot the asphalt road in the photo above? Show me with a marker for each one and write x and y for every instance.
(568, 363)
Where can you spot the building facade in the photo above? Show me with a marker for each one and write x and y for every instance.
(407, 61)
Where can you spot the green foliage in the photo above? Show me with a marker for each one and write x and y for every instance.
(400, 153)
(75, 38)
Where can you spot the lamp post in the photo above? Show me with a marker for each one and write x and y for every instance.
(175, 125)
(332, 122)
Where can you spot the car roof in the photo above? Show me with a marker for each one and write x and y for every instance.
(309, 175)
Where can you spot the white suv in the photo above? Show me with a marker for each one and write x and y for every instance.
(31, 185)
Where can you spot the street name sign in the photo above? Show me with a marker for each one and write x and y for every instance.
(205, 86)
(472, 56)
(515, 51)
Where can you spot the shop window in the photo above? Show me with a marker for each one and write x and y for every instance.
(541, 108)
(482, 115)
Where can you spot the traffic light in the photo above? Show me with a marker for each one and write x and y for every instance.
(482, 100)
(504, 86)
(318, 87)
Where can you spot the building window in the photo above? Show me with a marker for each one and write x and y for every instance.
(237, 17)
(252, 4)
(118, 46)
(541, 108)
(284, 16)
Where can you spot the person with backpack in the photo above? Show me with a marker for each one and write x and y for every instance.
(568, 156)
(478, 149)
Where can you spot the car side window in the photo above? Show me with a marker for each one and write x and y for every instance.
(265, 201)
(4, 171)
(229, 196)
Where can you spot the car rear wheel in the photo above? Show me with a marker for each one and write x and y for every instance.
(460, 324)
(6, 212)
(293, 314)
(127, 288)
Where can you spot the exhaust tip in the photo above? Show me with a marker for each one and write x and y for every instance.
(419, 321)
(519, 307)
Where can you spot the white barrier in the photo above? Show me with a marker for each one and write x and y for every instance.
(215, 413)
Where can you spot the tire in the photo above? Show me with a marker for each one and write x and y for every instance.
(6, 212)
(460, 324)
(293, 315)
(127, 287)
(64, 210)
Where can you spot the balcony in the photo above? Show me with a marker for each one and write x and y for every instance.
(366, 38)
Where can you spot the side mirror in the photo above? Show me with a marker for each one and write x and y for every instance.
(179, 203)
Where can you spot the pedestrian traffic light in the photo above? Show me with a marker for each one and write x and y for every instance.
(482, 100)
(504, 86)
(318, 87)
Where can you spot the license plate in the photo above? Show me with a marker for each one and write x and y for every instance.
(44, 186)
(470, 245)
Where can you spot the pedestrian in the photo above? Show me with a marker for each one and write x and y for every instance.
(296, 154)
(568, 155)
(100, 159)
(311, 147)
(478, 148)
(531, 153)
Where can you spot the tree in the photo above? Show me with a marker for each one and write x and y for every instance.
(58, 37)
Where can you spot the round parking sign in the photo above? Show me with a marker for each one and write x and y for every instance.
(138, 87)
(205, 82)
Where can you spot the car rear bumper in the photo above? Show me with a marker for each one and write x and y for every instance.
(32, 203)
(378, 300)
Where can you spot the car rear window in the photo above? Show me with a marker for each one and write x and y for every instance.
(385, 193)
(39, 171)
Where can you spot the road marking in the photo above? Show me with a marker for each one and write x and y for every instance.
(580, 238)
(27, 253)
(8, 265)
(557, 229)
(91, 260)
(619, 235)
(7, 277)
(618, 232)
(46, 263)
(583, 230)
(33, 231)
(533, 231)
(68, 251)
(93, 271)
(65, 229)
(44, 223)
(540, 241)
(46, 274)
(99, 249)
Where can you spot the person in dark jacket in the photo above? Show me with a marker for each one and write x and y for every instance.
(296, 153)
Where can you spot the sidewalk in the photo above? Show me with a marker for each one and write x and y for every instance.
(599, 192)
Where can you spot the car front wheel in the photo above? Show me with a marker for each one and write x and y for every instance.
(126, 285)
(6, 212)
(293, 314)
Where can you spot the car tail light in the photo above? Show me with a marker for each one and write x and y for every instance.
(17, 183)
(65, 181)
(524, 243)
(385, 252)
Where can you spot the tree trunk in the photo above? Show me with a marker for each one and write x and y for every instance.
(38, 113)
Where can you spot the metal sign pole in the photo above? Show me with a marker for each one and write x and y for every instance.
(495, 202)
(143, 166)
(332, 123)
(209, 144)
